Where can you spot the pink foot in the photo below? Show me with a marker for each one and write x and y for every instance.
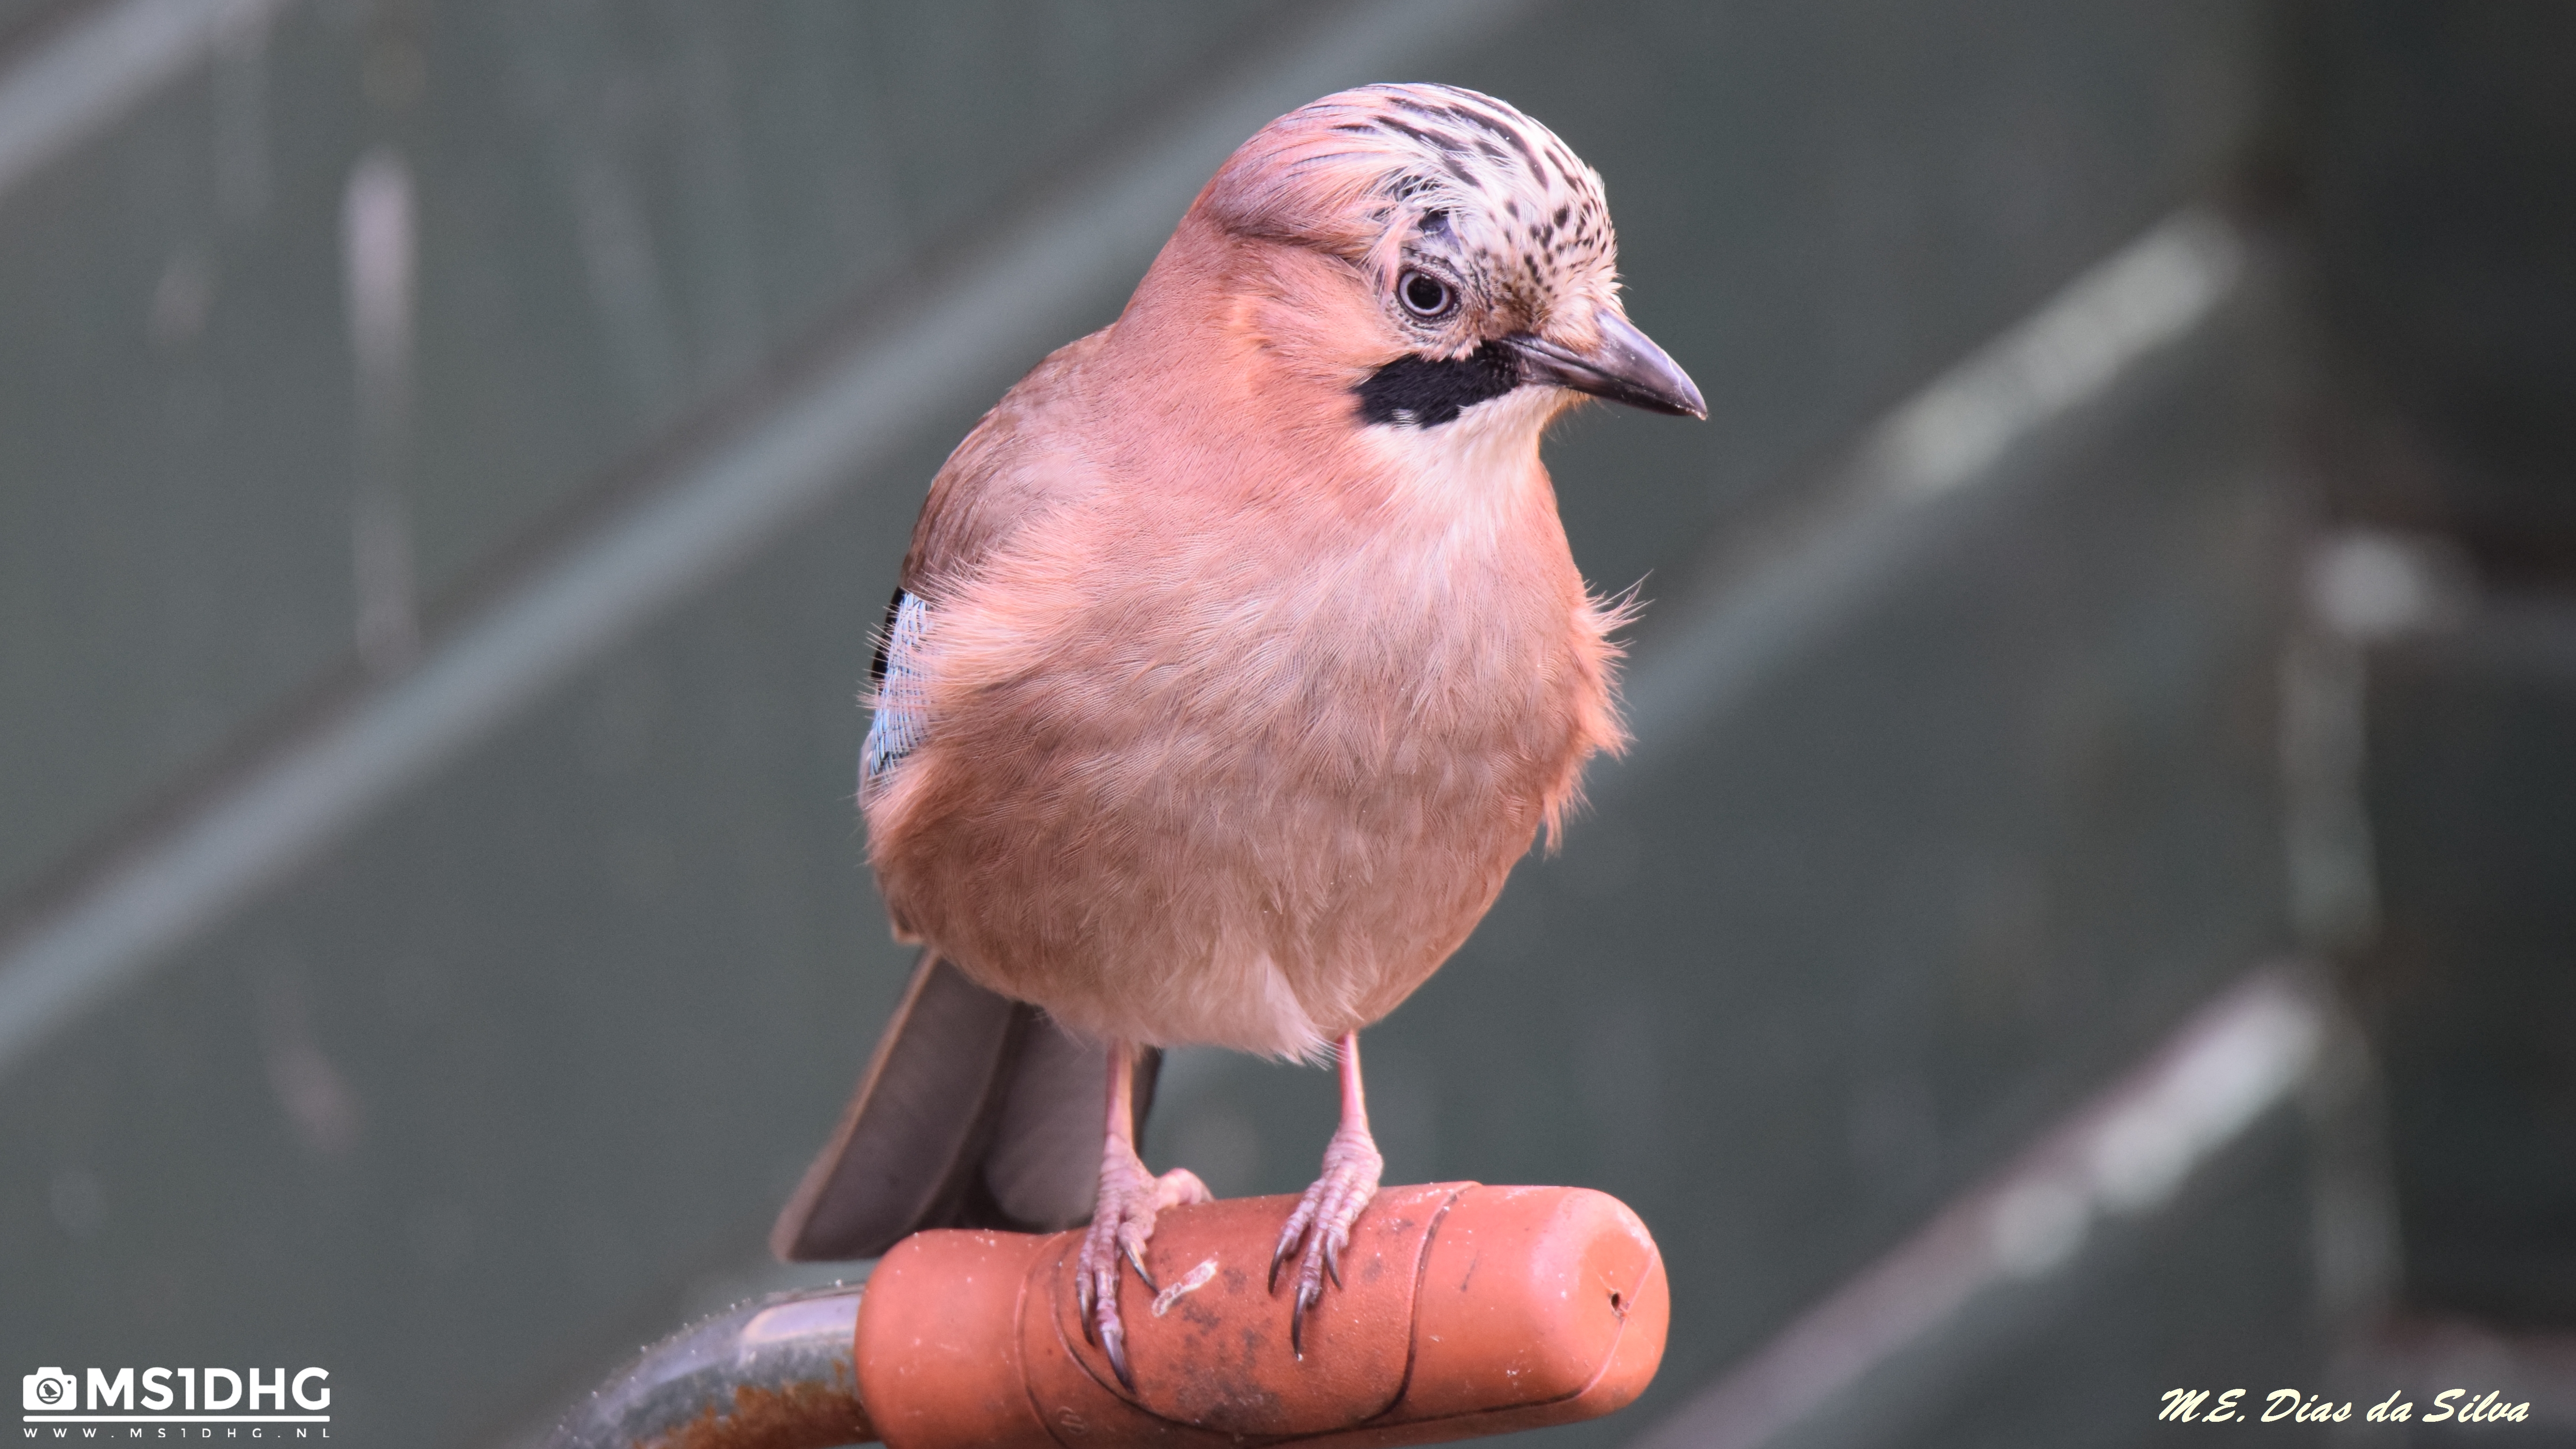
(1323, 1220)
(1122, 1223)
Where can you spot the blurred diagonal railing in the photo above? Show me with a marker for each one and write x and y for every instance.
(2119, 1157)
(1782, 579)
(1776, 587)
(72, 85)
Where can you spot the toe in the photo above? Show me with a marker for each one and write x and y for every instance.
(1310, 1288)
(1322, 1223)
(1122, 1229)
(1290, 1236)
(1178, 1187)
(1113, 1342)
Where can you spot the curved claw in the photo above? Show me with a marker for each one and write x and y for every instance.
(1307, 1293)
(1114, 1344)
(1136, 1261)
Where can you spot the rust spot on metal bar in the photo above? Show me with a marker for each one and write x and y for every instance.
(804, 1415)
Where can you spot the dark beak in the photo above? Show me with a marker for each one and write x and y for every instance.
(1625, 366)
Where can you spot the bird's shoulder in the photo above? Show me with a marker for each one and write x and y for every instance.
(1023, 462)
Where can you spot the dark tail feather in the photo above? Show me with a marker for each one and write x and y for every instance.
(976, 1112)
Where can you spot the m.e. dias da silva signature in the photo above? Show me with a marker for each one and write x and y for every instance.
(2196, 1406)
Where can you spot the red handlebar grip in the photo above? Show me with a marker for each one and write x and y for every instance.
(1463, 1310)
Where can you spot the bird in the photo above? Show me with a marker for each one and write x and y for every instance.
(1238, 655)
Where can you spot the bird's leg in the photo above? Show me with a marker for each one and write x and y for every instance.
(1324, 1215)
(1122, 1217)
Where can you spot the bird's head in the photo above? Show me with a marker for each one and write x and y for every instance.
(1470, 259)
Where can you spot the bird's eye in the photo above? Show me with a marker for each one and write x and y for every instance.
(1426, 295)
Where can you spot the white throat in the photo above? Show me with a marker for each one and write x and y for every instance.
(1471, 471)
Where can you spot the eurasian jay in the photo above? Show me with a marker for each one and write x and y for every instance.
(1237, 657)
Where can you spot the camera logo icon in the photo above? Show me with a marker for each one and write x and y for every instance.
(49, 1389)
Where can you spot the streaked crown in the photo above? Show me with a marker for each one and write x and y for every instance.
(1388, 176)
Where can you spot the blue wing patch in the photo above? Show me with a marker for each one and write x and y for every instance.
(902, 703)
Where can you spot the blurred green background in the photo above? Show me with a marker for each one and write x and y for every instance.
(342, 340)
